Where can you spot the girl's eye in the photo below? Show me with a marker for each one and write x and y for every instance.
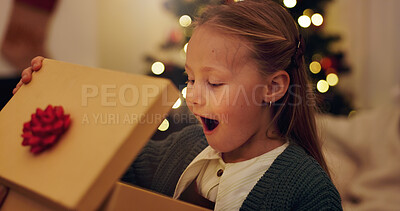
(190, 82)
(215, 84)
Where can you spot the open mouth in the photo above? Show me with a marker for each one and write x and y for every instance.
(209, 124)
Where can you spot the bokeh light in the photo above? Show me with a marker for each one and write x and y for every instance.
(304, 21)
(185, 20)
(326, 63)
(317, 19)
(317, 57)
(157, 68)
(177, 104)
(315, 67)
(352, 113)
(332, 79)
(184, 92)
(164, 125)
(185, 47)
(289, 3)
(308, 12)
(322, 86)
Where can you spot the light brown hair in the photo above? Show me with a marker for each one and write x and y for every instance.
(274, 38)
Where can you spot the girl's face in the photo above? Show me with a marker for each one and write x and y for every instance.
(225, 91)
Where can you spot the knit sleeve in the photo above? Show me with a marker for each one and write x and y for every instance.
(142, 170)
(153, 156)
(318, 192)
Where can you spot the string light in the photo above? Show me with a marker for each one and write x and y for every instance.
(315, 67)
(326, 63)
(185, 20)
(185, 47)
(322, 86)
(317, 57)
(317, 19)
(184, 92)
(177, 104)
(308, 12)
(164, 125)
(352, 113)
(289, 3)
(157, 68)
(304, 21)
(332, 79)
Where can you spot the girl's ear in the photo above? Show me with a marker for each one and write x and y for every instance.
(277, 86)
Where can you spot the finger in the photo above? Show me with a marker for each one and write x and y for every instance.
(36, 63)
(20, 83)
(26, 75)
(17, 87)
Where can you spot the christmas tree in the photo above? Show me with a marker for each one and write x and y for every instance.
(324, 65)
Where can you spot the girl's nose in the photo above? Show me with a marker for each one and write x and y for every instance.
(195, 95)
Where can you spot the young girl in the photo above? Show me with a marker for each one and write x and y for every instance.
(257, 147)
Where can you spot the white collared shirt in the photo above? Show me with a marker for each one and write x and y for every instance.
(230, 189)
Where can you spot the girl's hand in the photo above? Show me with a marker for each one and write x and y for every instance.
(26, 75)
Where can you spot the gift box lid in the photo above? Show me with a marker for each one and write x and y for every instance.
(113, 114)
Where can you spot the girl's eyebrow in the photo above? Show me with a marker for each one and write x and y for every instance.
(204, 69)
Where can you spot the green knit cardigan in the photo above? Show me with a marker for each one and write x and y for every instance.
(295, 181)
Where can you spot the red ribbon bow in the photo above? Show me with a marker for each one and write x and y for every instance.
(45, 128)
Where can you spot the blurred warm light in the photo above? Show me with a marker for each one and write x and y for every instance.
(315, 67)
(304, 21)
(157, 68)
(352, 113)
(332, 79)
(177, 104)
(185, 20)
(317, 57)
(185, 47)
(238, 0)
(322, 86)
(164, 125)
(289, 3)
(308, 12)
(317, 19)
(326, 63)
(184, 92)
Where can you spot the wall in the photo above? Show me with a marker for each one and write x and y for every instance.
(73, 35)
(128, 30)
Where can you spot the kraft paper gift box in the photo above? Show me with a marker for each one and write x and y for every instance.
(112, 114)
